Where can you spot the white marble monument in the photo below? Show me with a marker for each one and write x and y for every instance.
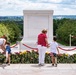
(34, 22)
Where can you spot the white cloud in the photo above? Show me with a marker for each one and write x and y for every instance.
(16, 7)
(55, 1)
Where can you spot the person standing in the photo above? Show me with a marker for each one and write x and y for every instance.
(54, 50)
(42, 44)
(3, 41)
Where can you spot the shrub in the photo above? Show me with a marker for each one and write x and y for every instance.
(32, 57)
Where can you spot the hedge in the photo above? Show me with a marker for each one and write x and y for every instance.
(32, 57)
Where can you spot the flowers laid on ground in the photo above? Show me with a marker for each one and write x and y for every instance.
(32, 57)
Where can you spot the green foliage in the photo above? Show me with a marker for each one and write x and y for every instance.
(57, 23)
(65, 29)
(12, 30)
(47, 58)
(2, 58)
(20, 25)
(32, 57)
(3, 30)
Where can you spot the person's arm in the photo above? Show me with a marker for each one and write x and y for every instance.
(3, 47)
(46, 40)
(47, 44)
(4, 42)
(58, 50)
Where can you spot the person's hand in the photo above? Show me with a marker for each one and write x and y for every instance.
(47, 45)
(59, 54)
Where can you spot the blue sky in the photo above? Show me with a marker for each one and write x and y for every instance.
(16, 7)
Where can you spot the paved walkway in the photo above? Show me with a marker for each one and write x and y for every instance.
(34, 69)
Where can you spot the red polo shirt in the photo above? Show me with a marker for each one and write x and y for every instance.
(41, 39)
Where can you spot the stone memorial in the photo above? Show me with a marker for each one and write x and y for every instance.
(34, 22)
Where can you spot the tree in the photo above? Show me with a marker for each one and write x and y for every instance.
(55, 25)
(3, 30)
(64, 30)
(13, 30)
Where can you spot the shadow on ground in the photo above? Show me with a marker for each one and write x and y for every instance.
(3, 65)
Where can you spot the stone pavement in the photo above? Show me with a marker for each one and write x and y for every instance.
(34, 69)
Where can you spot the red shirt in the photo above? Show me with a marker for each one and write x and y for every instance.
(41, 39)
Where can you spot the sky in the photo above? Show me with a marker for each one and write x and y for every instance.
(16, 7)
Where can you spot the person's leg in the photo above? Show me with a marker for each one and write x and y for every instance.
(40, 52)
(8, 59)
(56, 61)
(53, 59)
(0, 46)
(6, 56)
(43, 55)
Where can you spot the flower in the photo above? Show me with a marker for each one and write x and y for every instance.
(24, 52)
(67, 54)
(47, 52)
